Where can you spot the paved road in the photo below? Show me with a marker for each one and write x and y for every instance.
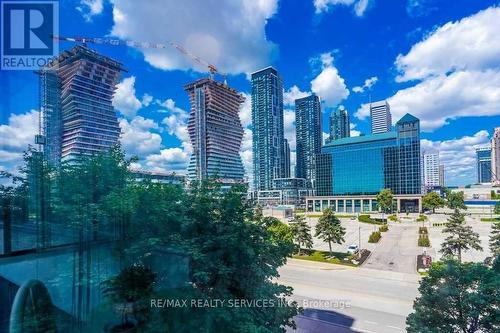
(341, 299)
(396, 251)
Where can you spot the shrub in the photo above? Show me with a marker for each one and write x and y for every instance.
(393, 217)
(364, 218)
(423, 240)
(423, 230)
(421, 218)
(374, 237)
(368, 219)
(383, 228)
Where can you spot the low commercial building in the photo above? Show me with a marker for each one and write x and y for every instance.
(159, 177)
(362, 203)
(286, 191)
(352, 171)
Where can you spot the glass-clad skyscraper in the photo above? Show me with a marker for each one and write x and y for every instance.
(215, 131)
(364, 165)
(308, 136)
(483, 160)
(339, 124)
(287, 158)
(76, 93)
(267, 128)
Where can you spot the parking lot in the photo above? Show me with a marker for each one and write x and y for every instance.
(397, 249)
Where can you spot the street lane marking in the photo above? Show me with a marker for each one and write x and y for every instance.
(395, 327)
(370, 322)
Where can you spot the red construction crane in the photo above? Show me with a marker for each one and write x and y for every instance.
(212, 69)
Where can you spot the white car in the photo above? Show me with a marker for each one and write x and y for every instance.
(352, 249)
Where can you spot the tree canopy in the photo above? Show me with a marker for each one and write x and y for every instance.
(301, 232)
(457, 297)
(460, 237)
(384, 200)
(432, 200)
(455, 200)
(329, 228)
(233, 254)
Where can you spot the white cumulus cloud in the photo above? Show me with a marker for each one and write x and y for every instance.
(468, 44)
(457, 73)
(227, 33)
(367, 85)
(359, 6)
(290, 95)
(139, 136)
(90, 8)
(15, 136)
(458, 156)
(124, 99)
(329, 85)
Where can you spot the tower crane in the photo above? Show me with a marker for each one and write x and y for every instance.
(212, 69)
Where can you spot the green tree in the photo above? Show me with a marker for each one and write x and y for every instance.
(281, 233)
(231, 257)
(431, 201)
(301, 232)
(455, 200)
(329, 228)
(495, 239)
(258, 212)
(496, 210)
(384, 200)
(457, 297)
(460, 237)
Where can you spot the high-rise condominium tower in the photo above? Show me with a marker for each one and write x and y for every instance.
(308, 136)
(267, 128)
(339, 124)
(483, 161)
(215, 131)
(76, 93)
(287, 158)
(495, 157)
(441, 175)
(380, 113)
(430, 170)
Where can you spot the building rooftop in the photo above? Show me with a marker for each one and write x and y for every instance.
(407, 118)
(361, 139)
(266, 69)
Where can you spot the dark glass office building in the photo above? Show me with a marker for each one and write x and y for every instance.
(364, 165)
(483, 159)
(308, 135)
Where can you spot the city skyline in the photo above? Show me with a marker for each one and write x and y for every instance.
(153, 108)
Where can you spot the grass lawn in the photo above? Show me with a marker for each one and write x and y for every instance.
(322, 256)
(320, 214)
(489, 219)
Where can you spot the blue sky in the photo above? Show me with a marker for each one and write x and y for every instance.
(439, 60)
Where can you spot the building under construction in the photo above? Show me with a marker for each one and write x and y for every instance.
(76, 93)
(215, 131)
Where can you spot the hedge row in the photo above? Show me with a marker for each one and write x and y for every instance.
(374, 237)
(423, 240)
(368, 219)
